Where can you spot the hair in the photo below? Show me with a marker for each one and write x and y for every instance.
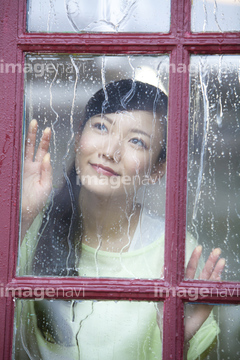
(56, 253)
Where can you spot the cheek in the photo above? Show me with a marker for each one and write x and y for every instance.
(86, 145)
(137, 162)
(84, 148)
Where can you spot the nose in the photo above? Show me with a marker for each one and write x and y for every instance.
(112, 149)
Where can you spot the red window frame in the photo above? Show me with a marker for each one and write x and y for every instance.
(180, 43)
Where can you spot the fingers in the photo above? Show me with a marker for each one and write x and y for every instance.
(46, 172)
(193, 262)
(213, 266)
(31, 140)
(43, 145)
(209, 267)
(216, 274)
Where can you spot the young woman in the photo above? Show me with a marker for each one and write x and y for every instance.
(99, 229)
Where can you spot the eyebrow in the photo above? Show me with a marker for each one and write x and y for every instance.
(107, 118)
(102, 116)
(139, 132)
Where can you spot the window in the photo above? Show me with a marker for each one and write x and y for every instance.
(183, 48)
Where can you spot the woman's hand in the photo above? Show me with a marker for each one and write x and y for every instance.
(196, 314)
(37, 175)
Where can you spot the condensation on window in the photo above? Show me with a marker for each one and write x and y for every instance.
(213, 212)
(98, 16)
(84, 329)
(220, 333)
(215, 15)
(100, 211)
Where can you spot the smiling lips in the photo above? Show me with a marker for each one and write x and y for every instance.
(104, 170)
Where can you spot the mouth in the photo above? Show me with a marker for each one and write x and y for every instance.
(104, 170)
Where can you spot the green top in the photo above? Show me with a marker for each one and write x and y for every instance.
(100, 329)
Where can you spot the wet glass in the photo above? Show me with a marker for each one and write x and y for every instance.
(220, 333)
(214, 164)
(83, 329)
(98, 16)
(110, 142)
(215, 16)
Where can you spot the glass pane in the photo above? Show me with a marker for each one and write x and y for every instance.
(104, 213)
(214, 164)
(220, 332)
(215, 15)
(68, 329)
(98, 16)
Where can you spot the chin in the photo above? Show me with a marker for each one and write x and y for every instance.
(106, 190)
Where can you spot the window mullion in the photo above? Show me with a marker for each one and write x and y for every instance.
(175, 205)
(172, 325)
(173, 320)
(8, 188)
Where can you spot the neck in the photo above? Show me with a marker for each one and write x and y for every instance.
(108, 222)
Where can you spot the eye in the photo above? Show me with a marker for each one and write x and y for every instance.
(100, 126)
(138, 142)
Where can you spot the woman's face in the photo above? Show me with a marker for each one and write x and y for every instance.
(117, 153)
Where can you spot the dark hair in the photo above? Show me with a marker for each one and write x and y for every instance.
(56, 253)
